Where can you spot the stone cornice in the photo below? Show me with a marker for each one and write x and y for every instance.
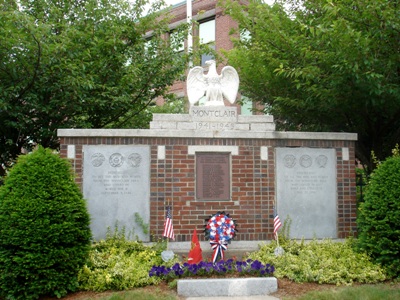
(207, 134)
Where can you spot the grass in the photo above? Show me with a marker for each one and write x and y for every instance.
(364, 292)
(138, 295)
(361, 292)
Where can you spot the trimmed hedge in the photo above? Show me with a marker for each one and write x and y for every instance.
(44, 228)
(379, 216)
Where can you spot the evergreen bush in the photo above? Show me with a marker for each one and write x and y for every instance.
(44, 228)
(379, 216)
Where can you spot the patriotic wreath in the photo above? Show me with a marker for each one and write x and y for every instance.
(220, 230)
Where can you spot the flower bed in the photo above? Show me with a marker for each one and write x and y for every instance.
(230, 278)
(228, 268)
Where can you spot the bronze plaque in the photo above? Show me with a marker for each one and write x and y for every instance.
(213, 180)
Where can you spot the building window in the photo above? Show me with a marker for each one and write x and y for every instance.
(245, 35)
(207, 37)
(176, 41)
(246, 106)
(150, 48)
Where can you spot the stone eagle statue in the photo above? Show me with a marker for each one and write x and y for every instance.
(214, 86)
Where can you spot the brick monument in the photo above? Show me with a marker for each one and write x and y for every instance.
(211, 160)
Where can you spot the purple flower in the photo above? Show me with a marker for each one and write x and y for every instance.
(176, 267)
(207, 266)
(178, 271)
(165, 271)
(240, 263)
(153, 271)
(193, 269)
(270, 269)
(220, 267)
(256, 265)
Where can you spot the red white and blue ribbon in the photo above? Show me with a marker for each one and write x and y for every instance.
(219, 248)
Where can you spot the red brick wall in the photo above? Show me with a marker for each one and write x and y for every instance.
(253, 183)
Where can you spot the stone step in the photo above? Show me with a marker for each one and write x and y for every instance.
(215, 287)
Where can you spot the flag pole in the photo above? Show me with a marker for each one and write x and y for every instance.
(167, 255)
(277, 224)
(167, 209)
(277, 239)
(189, 21)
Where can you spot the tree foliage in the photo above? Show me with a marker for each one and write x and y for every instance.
(324, 65)
(44, 228)
(80, 64)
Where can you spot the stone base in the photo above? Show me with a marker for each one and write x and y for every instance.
(227, 287)
(213, 118)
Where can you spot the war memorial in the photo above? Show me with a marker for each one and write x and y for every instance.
(214, 159)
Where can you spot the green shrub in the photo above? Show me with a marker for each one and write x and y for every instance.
(117, 263)
(320, 261)
(379, 216)
(44, 228)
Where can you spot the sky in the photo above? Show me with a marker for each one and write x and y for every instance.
(172, 2)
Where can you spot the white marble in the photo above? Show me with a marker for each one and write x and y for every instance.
(211, 85)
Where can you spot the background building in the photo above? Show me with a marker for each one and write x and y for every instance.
(213, 28)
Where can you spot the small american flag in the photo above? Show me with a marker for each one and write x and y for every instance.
(277, 224)
(168, 227)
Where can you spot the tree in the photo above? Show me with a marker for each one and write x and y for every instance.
(44, 228)
(80, 64)
(324, 66)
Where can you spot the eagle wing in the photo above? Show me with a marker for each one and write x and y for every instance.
(196, 84)
(229, 83)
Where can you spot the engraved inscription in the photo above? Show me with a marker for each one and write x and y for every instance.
(212, 176)
(289, 161)
(306, 161)
(307, 191)
(305, 182)
(214, 126)
(321, 161)
(116, 160)
(215, 113)
(97, 159)
(116, 183)
(213, 183)
(134, 160)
